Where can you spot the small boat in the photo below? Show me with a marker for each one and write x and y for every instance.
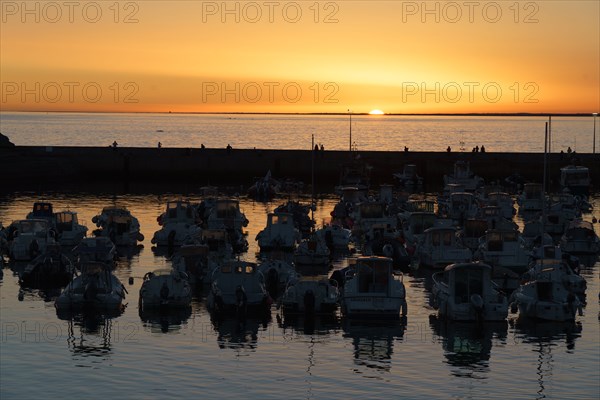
(310, 295)
(356, 174)
(179, 224)
(96, 249)
(226, 214)
(50, 269)
(441, 247)
(576, 179)
(532, 199)
(504, 201)
(462, 205)
(300, 214)
(471, 233)
(70, 231)
(312, 251)
(580, 238)
(165, 288)
(409, 177)
(29, 238)
(466, 292)
(463, 175)
(545, 295)
(119, 225)
(193, 260)
(278, 274)
(415, 224)
(238, 286)
(504, 248)
(95, 288)
(336, 237)
(279, 234)
(571, 279)
(264, 188)
(372, 289)
(42, 210)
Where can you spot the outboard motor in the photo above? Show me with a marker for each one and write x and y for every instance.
(91, 291)
(477, 303)
(309, 302)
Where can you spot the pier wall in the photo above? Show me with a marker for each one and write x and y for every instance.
(35, 165)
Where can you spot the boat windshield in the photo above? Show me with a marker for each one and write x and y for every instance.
(467, 282)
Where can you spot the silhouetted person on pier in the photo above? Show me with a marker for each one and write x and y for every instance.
(448, 149)
(159, 145)
(482, 148)
(316, 148)
(569, 150)
(202, 146)
(322, 147)
(229, 148)
(114, 145)
(405, 149)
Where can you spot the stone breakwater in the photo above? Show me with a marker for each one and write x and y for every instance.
(32, 166)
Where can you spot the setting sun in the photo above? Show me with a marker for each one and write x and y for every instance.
(376, 112)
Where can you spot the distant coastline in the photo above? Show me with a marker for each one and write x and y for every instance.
(315, 113)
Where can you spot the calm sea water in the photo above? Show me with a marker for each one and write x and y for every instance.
(423, 133)
(187, 356)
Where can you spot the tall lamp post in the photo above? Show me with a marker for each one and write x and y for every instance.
(594, 145)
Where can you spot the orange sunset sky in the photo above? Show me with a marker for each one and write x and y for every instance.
(304, 56)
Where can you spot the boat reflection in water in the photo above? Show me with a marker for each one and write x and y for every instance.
(324, 324)
(164, 319)
(468, 345)
(544, 336)
(239, 333)
(91, 333)
(373, 341)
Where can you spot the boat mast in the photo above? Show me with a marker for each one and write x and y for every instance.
(312, 169)
(544, 192)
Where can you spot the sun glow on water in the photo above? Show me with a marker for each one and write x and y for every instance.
(376, 112)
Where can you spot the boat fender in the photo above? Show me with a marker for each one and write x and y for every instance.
(140, 237)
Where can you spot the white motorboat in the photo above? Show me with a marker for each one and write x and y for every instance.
(279, 234)
(415, 224)
(580, 238)
(50, 269)
(504, 248)
(462, 206)
(532, 199)
(96, 249)
(463, 175)
(194, 261)
(504, 201)
(238, 286)
(409, 177)
(335, 237)
(466, 292)
(96, 288)
(576, 179)
(472, 232)
(571, 279)
(278, 274)
(29, 238)
(70, 231)
(312, 251)
(226, 214)
(310, 295)
(372, 289)
(368, 214)
(440, 247)
(165, 288)
(119, 225)
(546, 294)
(179, 224)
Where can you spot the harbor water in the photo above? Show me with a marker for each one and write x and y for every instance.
(187, 355)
